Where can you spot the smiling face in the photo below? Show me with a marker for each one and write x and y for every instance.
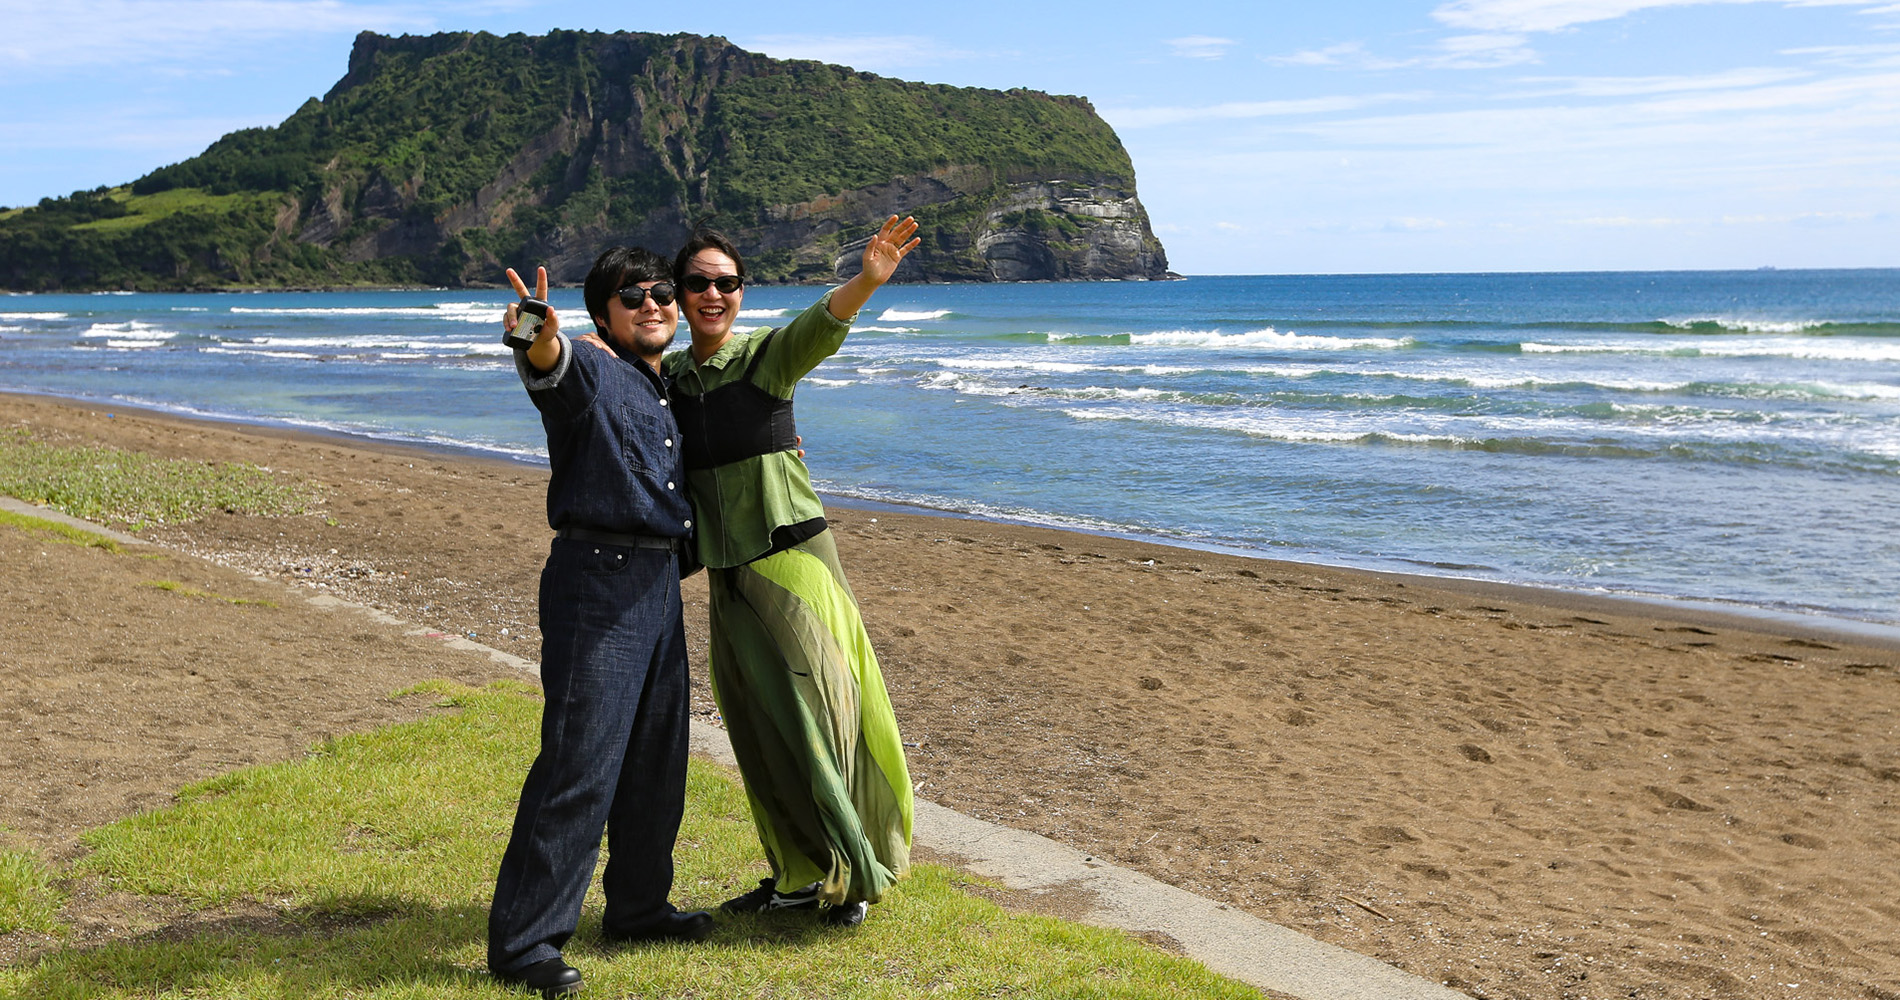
(710, 313)
(642, 332)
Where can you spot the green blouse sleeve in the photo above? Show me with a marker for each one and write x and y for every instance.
(799, 346)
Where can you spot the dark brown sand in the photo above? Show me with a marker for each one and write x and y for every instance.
(1522, 793)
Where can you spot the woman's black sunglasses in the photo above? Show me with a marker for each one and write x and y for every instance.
(633, 296)
(726, 283)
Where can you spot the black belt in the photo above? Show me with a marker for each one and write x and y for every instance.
(610, 538)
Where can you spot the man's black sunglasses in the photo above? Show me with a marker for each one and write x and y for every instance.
(633, 296)
(726, 283)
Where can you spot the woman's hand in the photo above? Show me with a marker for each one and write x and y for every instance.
(894, 240)
(888, 248)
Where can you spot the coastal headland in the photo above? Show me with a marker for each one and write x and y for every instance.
(438, 159)
(1518, 792)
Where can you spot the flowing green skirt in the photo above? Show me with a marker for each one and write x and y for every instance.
(810, 723)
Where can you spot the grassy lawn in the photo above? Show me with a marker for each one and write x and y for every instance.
(28, 901)
(53, 531)
(131, 488)
(145, 209)
(374, 857)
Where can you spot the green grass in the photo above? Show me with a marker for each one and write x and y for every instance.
(145, 209)
(173, 586)
(28, 901)
(99, 483)
(378, 853)
(64, 534)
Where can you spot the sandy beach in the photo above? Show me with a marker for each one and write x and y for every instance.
(1522, 793)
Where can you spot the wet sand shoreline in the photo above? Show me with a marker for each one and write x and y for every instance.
(1698, 611)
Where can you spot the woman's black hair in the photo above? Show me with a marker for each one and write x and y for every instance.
(618, 267)
(706, 239)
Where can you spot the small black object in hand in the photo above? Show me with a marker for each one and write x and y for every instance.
(522, 336)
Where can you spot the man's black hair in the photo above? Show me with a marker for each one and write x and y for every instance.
(618, 267)
(706, 239)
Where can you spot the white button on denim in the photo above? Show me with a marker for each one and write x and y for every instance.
(669, 442)
(689, 522)
(669, 486)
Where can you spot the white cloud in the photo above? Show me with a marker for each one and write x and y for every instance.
(1200, 46)
(889, 54)
(1856, 56)
(83, 33)
(1345, 53)
(1485, 51)
(1633, 86)
(1523, 16)
(1480, 51)
(1123, 118)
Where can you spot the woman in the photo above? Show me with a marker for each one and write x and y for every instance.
(792, 669)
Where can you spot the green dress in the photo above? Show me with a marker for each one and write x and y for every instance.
(792, 668)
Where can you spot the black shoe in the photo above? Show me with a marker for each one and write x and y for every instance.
(552, 978)
(767, 897)
(676, 926)
(844, 914)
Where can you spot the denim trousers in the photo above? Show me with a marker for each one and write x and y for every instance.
(613, 753)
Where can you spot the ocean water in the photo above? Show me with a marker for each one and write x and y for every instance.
(1727, 436)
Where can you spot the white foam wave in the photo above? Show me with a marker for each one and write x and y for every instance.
(763, 313)
(829, 382)
(1750, 325)
(964, 385)
(133, 344)
(1267, 337)
(910, 316)
(884, 329)
(384, 343)
(1856, 390)
(987, 511)
(1809, 349)
(190, 309)
(455, 312)
(990, 364)
(17, 317)
(1656, 427)
(12, 329)
(261, 353)
(129, 330)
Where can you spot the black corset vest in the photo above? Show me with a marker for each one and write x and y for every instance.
(738, 420)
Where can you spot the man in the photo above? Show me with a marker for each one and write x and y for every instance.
(613, 647)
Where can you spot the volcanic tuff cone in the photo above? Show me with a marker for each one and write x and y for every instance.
(439, 159)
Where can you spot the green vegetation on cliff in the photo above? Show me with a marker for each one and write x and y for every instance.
(437, 158)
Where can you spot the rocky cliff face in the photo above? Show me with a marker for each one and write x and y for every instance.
(657, 117)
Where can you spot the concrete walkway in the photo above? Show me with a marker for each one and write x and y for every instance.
(1226, 940)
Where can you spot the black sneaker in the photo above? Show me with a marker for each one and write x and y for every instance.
(767, 897)
(844, 914)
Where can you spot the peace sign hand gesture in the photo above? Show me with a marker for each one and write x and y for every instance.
(546, 350)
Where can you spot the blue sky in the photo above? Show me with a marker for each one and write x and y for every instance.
(1473, 135)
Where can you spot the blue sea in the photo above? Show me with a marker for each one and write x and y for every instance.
(1723, 436)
